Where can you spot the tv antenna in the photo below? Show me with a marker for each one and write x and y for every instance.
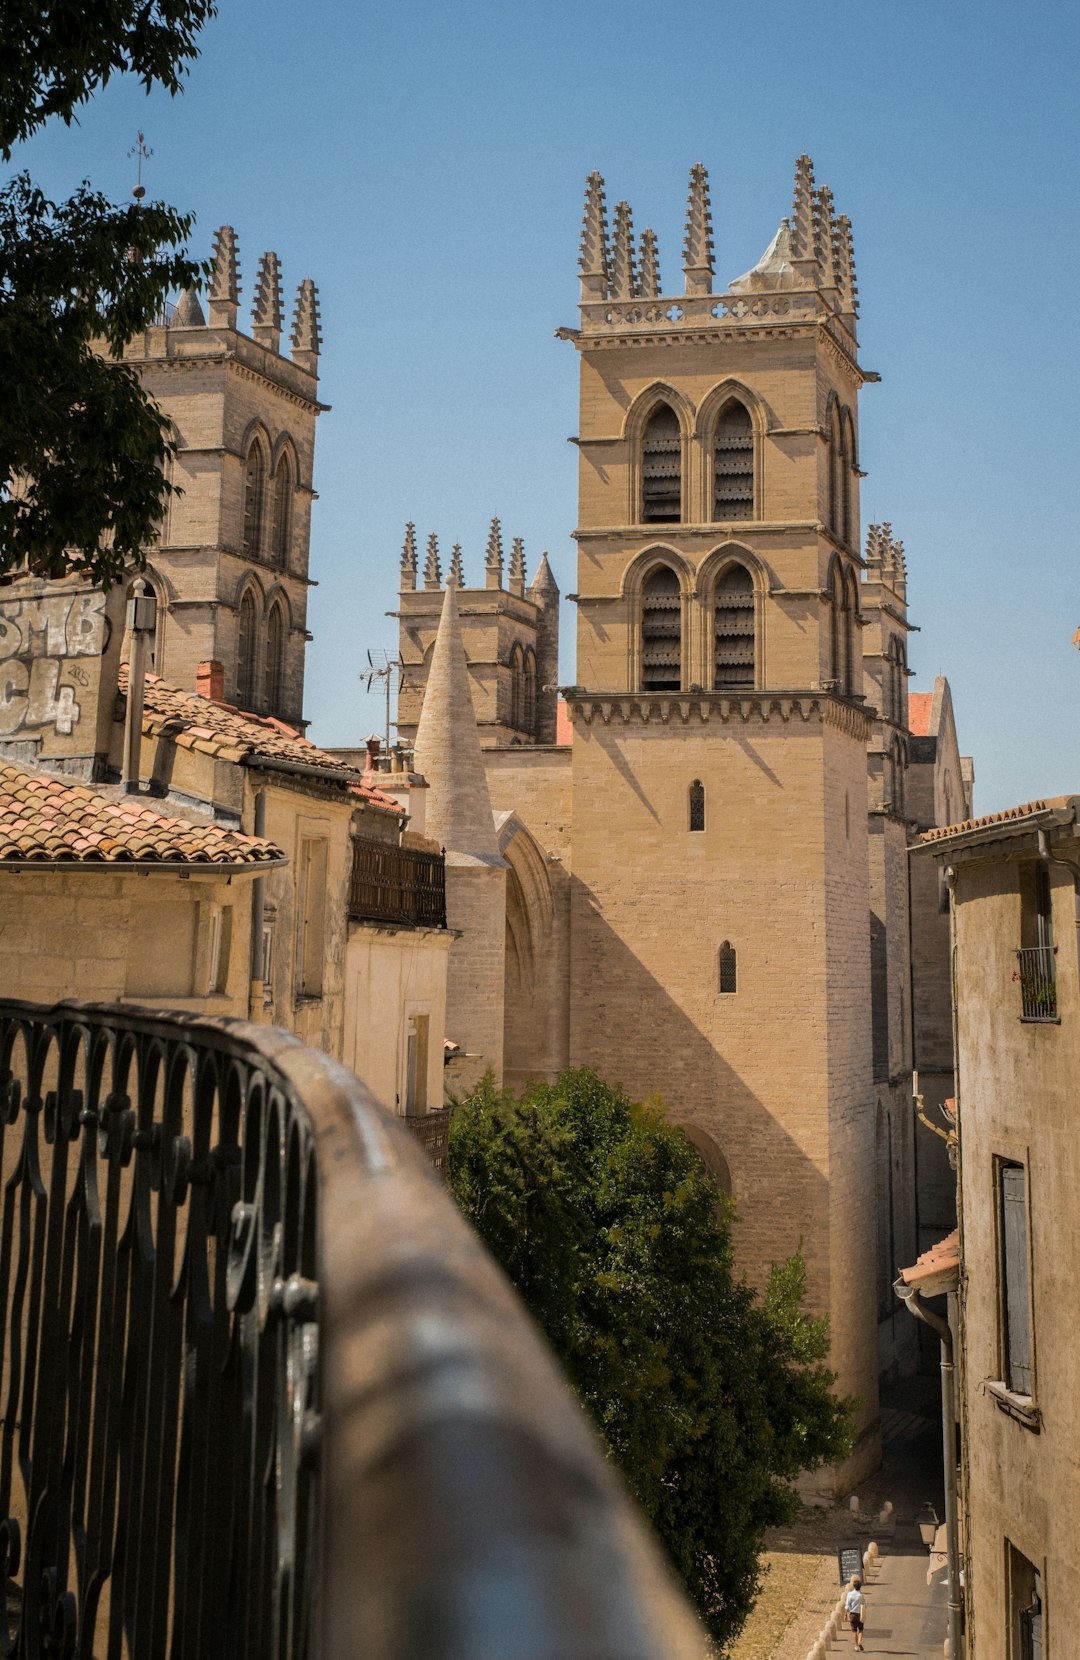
(383, 668)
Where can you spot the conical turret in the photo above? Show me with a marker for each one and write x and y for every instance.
(306, 335)
(698, 246)
(543, 583)
(447, 752)
(224, 296)
(457, 570)
(649, 274)
(623, 272)
(408, 557)
(593, 260)
(188, 313)
(432, 568)
(267, 320)
(493, 558)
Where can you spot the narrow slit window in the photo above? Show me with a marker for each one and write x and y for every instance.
(254, 501)
(245, 651)
(275, 661)
(661, 631)
(697, 805)
(529, 694)
(733, 464)
(728, 969)
(282, 533)
(661, 469)
(1015, 1282)
(517, 688)
(734, 630)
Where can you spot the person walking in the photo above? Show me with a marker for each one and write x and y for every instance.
(853, 1608)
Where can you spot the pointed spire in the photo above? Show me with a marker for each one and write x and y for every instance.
(516, 582)
(593, 260)
(899, 570)
(432, 568)
(493, 558)
(845, 267)
(802, 210)
(698, 246)
(408, 557)
(188, 313)
(543, 583)
(447, 752)
(306, 337)
(224, 296)
(267, 320)
(623, 264)
(774, 269)
(824, 236)
(457, 569)
(649, 274)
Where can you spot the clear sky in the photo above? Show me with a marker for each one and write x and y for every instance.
(425, 164)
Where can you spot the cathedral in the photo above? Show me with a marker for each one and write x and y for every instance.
(689, 868)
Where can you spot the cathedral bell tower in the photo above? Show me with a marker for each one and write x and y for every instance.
(720, 877)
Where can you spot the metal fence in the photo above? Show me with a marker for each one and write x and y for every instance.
(262, 1393)
(1038, 982)
(397, 884)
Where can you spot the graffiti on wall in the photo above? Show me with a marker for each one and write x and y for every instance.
(43, 641)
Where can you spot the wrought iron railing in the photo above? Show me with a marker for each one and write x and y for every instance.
(262, 1392)
(432, 1131)
(397, 884)
(1038, 982)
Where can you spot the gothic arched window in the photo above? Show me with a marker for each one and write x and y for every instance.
(529, 693)
(246, 635)
(661, 631)
(281, 534)
(733, 463)
(517, 688)
(835, 611)
(274, 684)
(733, 629)
(847, 465)
(850, 617)
(697, 805)
(254, 500)
(836, 467)
(728, 966)
(661, 468)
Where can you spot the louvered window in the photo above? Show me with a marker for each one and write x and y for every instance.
(282, 513)
(728, 969)
(254, 501)
(245, 652)
(733, 464)
(836, 465)
(275, 661)
(661, 631)
(1016, 1301)
(734, 629)
(661, 469)
(697, 805)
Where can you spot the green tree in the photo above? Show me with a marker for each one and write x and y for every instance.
(82, 446)
(710, 1397)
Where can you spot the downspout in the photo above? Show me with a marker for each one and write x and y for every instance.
(257, 991)
(909, 1294)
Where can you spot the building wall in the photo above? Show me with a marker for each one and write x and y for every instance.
(392, 977)
(1019, 1085)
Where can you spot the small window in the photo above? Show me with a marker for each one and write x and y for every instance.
(733, 464)
(266, 967)
(311, 945)
(728, 969)
(733, 626)
(661, 468)
(697, 805)
(661, 631)
(1015, 1278)
(220, 949)
(1026, 1613)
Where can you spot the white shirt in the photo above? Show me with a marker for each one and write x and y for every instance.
(853, 1602)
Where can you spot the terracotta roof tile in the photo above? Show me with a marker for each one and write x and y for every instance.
(52, 821)
(939, 1264)
(919, 705)
(1028, 810)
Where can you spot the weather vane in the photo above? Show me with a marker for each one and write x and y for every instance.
(140, 150)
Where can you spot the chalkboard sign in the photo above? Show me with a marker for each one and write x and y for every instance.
(850, 1559)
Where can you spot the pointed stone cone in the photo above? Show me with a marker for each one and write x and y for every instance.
(447, 752)
(623, 272)
(824, 237)
(188, 313)
(432, 568)
(593, 258)
(493, 558)
(306, 337)
(516, 582)
(408, 557)
(224, 294)
(543, 583)
(802, 210)
(267, 319)
(649, 274)
(845, 268)
(698, 245)
(457, 570)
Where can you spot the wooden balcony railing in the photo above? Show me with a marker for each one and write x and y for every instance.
(397, 884)
(262, 1392)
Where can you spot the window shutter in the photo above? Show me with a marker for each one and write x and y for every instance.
(1017, 1309)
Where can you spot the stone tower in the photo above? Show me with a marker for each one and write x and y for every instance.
(719, 893)
(230, 569)
(510, 635)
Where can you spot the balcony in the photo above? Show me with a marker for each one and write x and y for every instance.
(1036, 973)
(397, 884)
(262, 1392)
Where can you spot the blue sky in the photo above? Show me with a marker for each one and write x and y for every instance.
(425, 165)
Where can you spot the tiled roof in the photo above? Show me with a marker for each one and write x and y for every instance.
(196, 722)
(919, 705)
(373, 796)
(52, 821)
(1011, 814)
(936, 1270)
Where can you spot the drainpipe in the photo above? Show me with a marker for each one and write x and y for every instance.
(909, 1294)
(141, 619)
(257, 993)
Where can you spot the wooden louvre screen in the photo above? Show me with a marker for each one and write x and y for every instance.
(734, 629)
(733, 465)
(661, 469)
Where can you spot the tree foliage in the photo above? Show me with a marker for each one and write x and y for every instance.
(82, 447)
(710, 1397)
